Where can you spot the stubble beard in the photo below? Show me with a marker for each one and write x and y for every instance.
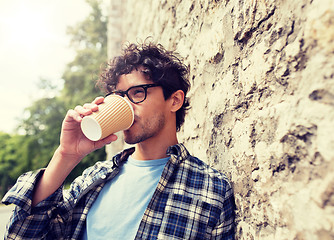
(145, 130)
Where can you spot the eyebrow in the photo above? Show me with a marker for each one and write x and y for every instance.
(117, 90)
(139, 85)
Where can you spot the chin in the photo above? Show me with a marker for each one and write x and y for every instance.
(129, 138)
(134, 137)
(130, 141)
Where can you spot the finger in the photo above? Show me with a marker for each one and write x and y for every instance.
(82, 111)
(92, 106)
(98, 100)
(74, 115)
(111, 138)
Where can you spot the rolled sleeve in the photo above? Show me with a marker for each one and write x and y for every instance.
(21, 193)
(28, 221)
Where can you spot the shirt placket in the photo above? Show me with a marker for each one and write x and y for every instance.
(151, 215)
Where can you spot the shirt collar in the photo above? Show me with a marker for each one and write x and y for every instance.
(177, 152)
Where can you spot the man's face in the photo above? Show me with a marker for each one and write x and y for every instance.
(150, 115)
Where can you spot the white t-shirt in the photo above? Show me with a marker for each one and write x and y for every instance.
(120, 206)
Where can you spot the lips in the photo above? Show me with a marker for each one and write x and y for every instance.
(134, 122)
(136, 118)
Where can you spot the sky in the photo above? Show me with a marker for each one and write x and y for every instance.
(33, 45)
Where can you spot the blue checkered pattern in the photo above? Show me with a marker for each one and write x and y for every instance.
(191, 201)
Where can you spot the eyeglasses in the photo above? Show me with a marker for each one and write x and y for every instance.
(136, 94)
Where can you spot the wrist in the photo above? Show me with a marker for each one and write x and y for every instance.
(62, 153)
(64, 160)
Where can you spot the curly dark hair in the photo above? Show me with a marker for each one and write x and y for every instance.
(157, 64)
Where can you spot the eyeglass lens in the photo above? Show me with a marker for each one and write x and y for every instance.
(137, 94)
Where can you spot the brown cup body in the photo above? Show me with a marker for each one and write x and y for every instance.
(114, 115)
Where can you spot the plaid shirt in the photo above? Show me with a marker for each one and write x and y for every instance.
(191, 201)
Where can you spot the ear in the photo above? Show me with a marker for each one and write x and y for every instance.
(177, 99)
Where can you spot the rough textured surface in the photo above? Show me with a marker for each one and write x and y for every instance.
(262, 103)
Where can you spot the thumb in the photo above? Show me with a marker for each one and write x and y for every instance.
(107, 140)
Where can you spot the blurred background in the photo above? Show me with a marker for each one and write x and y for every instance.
(51, 53)
(50, 56)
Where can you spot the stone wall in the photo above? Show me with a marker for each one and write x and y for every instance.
(262, 103)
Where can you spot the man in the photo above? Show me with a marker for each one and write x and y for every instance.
(155, 190)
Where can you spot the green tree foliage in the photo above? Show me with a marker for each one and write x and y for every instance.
(8, 160)
(16, 157)
(42, 124)
(89, 38)
(42, 127)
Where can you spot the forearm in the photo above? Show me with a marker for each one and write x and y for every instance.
(54, 175)
(73, 147)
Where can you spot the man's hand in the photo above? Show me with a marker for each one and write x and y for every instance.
(73, 142)
(73, 147)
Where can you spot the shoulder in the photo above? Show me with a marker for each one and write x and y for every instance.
(215, 180)
(201, 184)
(197, 175)
(110, 164)
(102, 169)
(98, 167)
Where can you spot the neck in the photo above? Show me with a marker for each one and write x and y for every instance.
(155, 147)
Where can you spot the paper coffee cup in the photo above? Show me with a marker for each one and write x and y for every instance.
(114, 115)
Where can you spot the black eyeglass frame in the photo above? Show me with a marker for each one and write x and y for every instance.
(123, 93)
